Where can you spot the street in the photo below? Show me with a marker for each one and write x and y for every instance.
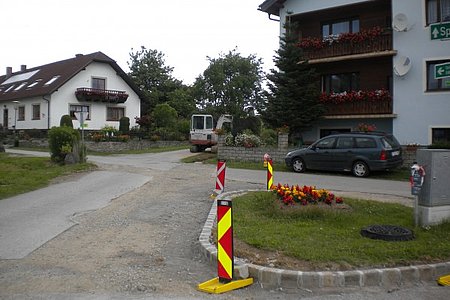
(143, 242)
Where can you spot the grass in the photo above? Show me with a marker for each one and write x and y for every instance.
(321, 237)
(23, 174)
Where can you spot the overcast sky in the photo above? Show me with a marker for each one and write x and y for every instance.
(34, 33)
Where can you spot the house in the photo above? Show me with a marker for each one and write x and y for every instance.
(94, 84)
(379, 63)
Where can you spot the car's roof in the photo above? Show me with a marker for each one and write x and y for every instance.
(359, 133)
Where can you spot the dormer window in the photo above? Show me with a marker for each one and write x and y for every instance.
(34, 83)
(99, 83)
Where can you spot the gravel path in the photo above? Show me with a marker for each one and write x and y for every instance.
(144, 245)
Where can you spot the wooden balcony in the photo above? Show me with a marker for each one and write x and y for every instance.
(376, 46)
(98, 95)
(359, 108)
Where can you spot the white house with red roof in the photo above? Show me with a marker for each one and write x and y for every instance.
(36, 98)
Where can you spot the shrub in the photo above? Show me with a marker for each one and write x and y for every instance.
(269, 137)
(247, 140)
(164, 115)
(60, 140)
(440, 145)
(66, 120)
(124, 126)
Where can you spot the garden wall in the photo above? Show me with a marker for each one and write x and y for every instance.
(254, 154)
(110, 146)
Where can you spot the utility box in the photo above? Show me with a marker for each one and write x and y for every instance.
(434, 197)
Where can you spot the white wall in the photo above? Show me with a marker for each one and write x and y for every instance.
(27, 123)
(62, 99)
(417, 109)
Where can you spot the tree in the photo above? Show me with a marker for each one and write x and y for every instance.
(230, 84)
(164, 115)
(293, 96)
(151, 74)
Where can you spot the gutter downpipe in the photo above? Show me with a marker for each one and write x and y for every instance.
(48, 111)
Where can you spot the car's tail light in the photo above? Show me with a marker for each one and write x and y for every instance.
(383, 155)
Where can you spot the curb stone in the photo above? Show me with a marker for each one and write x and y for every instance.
(273, 278)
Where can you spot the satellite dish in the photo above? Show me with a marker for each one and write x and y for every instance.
(402, 65)
(400, 22)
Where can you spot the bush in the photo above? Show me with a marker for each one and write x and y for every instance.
(124, 126)
(440, 145)
(61, 140)
(66, 120)
(247, 140)
(269, 137)
(164, 115)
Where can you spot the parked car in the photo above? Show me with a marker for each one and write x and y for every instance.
(358, 152)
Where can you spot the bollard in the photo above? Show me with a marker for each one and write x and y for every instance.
(225, 257)
(269, 174)
(220, 178)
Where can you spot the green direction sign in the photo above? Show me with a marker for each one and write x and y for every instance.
(440, 31)
(442, 70)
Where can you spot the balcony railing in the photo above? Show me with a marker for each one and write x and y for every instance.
(380, 43)
(357, 103)
(98, 95)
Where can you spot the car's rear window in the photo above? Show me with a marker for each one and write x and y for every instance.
(363, 142)
(390, 142)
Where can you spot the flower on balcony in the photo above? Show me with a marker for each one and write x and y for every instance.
(348, 37)
(355, 96)
(366, 127)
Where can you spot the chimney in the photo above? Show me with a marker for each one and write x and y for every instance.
(78, 55)
(8, 72)
(23, 68)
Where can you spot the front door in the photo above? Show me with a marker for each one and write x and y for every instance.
(5, 118)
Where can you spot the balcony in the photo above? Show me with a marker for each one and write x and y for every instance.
(374, 103)
(98, 95)
(368, 43)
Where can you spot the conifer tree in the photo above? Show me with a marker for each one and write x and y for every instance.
(293, 96)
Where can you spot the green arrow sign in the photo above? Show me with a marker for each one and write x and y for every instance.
(440, 31)
(442, 70)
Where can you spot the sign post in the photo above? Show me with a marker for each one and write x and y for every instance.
(440, 31)
(416, 180)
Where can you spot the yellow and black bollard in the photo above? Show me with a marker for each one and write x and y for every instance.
(269, 175)
(225, 257)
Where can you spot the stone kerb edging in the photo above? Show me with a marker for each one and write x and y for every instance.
(278, 278)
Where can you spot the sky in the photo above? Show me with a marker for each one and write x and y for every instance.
(35, 33)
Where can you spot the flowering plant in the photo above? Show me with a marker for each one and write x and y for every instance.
(283, 129)
(354, 96)
(366, 127)
(291, 195)
(348, 37)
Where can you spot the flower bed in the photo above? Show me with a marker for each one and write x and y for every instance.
(291, 195)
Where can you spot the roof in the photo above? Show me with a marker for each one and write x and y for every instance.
(272, 7)
(46, 79)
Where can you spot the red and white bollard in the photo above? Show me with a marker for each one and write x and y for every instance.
(220, 179)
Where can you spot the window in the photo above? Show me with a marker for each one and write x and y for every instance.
(34, 83)
(341, 26)
(434, 84)
(440, 135)
(99, 83)
(53, 79)
(438, 11)
(20, 86)
(36, 111)
(21, 113)
(344, 143)
(365, 143)
(78, 108)
(114, 113)
(327, 143)
(338, 83)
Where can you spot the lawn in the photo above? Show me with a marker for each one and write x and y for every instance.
(324, 237)
(20, 174)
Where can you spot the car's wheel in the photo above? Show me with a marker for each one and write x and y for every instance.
(360, 169)
(298, 165)
(194, 149)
